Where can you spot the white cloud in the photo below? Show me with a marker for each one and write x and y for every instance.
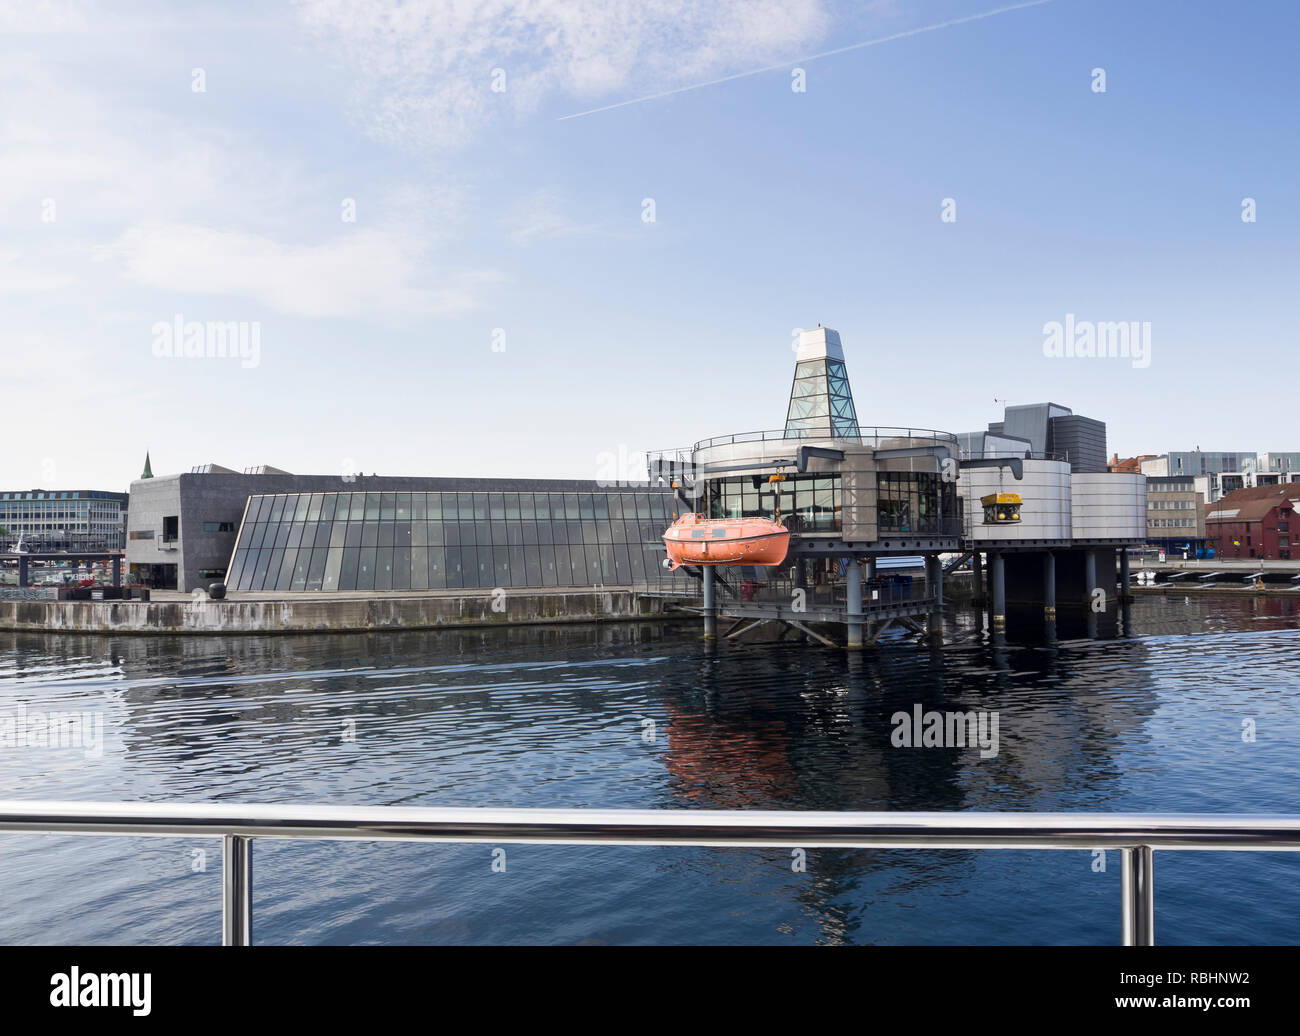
(359, 272)
(424, 70)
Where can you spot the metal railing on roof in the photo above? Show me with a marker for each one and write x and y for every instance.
(1136, 836)
(865, 436)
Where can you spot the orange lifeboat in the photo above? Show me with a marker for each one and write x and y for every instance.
(696, 540)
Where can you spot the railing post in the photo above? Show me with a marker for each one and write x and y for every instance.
(236, 890)
(1139, 896)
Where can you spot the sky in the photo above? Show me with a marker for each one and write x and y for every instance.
(535, 238)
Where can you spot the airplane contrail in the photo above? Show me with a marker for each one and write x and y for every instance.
(810, 57)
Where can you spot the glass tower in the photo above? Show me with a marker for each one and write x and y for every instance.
(821, 402)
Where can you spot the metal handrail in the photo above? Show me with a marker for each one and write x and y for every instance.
(1135, 835)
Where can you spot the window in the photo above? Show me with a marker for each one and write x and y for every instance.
(171, 528)
(218, 526)
(142, 534)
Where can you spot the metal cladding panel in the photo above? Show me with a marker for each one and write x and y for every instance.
(1107, 505)
(1081, 440)
(1028, 422)
(1044, 490)
(858, 496)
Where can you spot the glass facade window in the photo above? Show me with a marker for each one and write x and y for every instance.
(435, 541)
(916, 503)
(806, 503)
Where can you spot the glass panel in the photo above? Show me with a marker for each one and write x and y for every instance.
(366, 567)
(283, 579)
(332, 566)
(300, 566)
(277, 507)
(384, 568)
(465, 506)
(387, 534)
(403, 507)
(401, 568)
(316, 573)
(300, 509)
(533, 566)
(419, 568)
(236, 569)
(578, 571)
(328, 502)
(518, 572)
(273, 566)
(526, 508)
(348, 569)
(259, 570)
(370, 534)
(496, 505)
(455, 576)
(512, 505)
(313, 508)
(372, 511)
(435, 506)
(419, 512)
(480, 506)
(352, 538)
(437, 568)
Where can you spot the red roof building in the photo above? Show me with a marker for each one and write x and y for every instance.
(1254, 523)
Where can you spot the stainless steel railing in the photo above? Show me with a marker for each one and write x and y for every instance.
(1136, 836)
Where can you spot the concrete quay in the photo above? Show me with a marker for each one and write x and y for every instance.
(250, 613)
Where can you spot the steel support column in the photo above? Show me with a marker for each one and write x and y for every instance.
(1138, 924)
(1089, 576)
(1124, 594)
(853, 578)
(710, 604)
(1049, 585)
(934, 587)
(997, 577)
(236, 890)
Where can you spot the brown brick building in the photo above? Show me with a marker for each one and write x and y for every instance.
(1255, 523)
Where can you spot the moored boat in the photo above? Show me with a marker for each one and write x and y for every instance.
(696, 540)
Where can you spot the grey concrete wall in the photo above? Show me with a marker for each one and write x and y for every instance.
(309, 614)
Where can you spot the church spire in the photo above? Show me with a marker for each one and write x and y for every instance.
(148, 471)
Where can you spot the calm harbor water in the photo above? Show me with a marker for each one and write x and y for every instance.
(1148, 722)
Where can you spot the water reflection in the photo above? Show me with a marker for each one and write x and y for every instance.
(560, 717)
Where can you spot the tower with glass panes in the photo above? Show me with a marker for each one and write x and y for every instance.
(821, 402)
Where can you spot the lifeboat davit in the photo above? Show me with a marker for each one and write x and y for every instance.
(696, 540)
